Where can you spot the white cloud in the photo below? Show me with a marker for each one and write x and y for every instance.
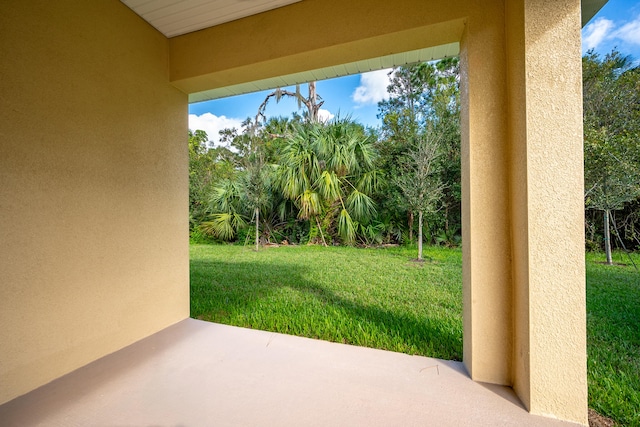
(606, 31)
(325, 115)
(212, 124)
(596, 32)
(630, 32)
(373, 88)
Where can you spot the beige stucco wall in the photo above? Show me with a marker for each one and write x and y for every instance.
(546, 174)
(485, 220)
(93, 187)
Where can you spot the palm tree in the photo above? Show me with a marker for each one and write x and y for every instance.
(245, 195)
(229, 213)
(327, 170)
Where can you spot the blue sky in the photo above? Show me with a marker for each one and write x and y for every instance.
(616, 25)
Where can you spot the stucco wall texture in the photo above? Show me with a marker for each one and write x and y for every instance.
(107, 261)
(546, 161)
(93, 187)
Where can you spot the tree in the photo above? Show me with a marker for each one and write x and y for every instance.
(244, 195)
(327, 171)
(420, 181)
(257, 181)
(444, 117)
(228, 210)
(611, 93)
(310, 102)
(423, 96)
(207, 166)
(401, 116)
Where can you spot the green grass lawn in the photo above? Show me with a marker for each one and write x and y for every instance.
(379, 298)
(368, 297)
(613, 338)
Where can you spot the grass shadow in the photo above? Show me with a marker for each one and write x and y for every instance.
(285, 297)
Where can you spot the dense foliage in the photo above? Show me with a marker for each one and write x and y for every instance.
(301, 180)
(611, 88)
(419, 146)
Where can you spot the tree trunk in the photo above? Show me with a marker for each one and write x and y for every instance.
(446, 218)
(312, 107)
(410, 226)
(607, 237)
(257, 229)
(324, 242)
(420, 235)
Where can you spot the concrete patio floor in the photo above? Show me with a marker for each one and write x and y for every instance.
(197, 373)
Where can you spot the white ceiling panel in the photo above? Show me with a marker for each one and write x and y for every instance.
(176, 17)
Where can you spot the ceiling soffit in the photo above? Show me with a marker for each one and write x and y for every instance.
(176, 17)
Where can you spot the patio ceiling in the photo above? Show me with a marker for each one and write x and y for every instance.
(176, 17)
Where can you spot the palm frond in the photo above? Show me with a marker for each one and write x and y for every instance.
(226, 195)
(309, 203)
(224, 225)
(369, 182)
(292, 182)
(360, 205)
(346, 227)
(328, 185)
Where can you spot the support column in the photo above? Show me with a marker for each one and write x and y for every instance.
(485, 205)
(546, 206)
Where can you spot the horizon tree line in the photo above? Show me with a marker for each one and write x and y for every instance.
(300, 180)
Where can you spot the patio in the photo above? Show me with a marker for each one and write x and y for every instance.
(94, 172)
(196, 373)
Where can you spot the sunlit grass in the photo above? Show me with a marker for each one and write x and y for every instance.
(368, 297)
(613, 338)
